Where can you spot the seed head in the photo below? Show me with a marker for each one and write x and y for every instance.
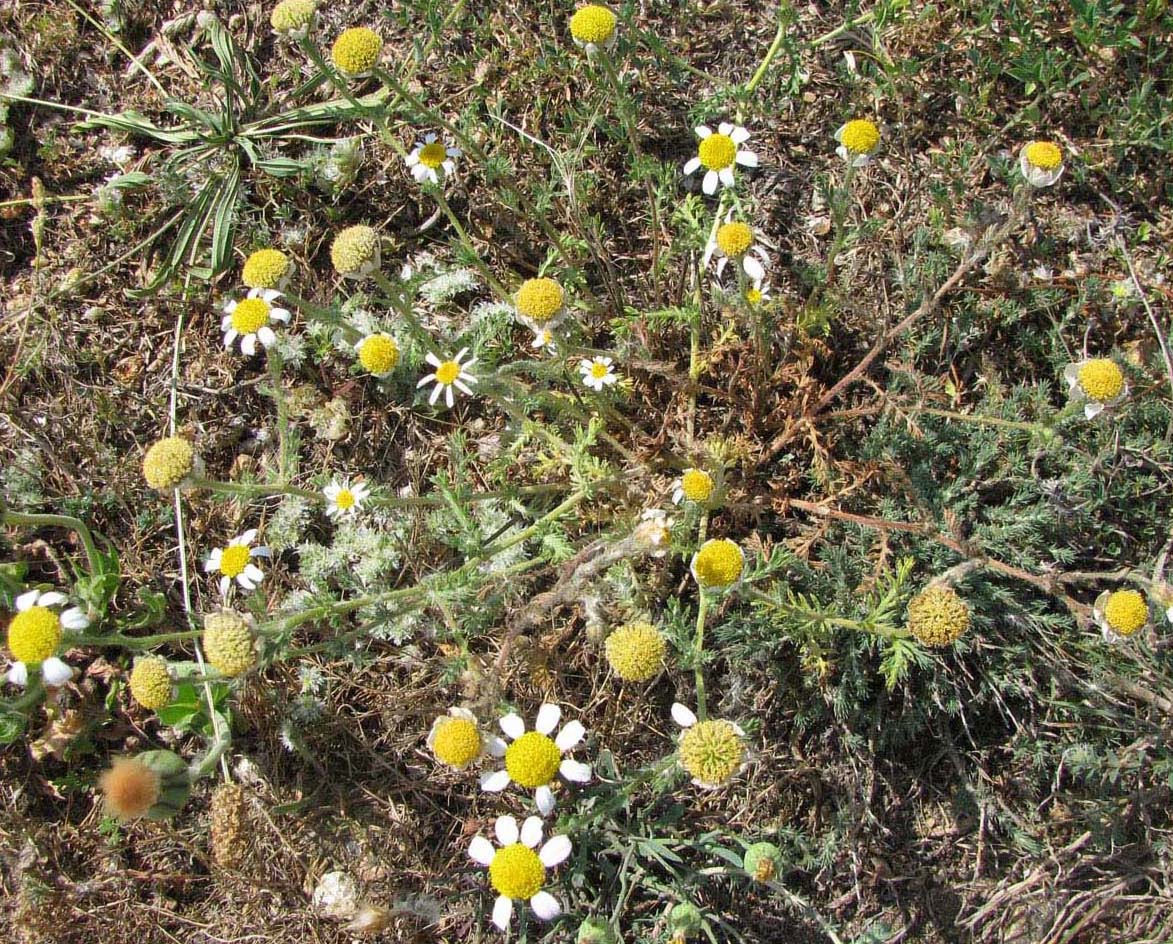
(1101, 380)
(228, 643)
(168, 462)
(265, 268)
(718, 564)
(712, 751)
(635, 652)
(937, 616)
(859, 136)
(356, 51)
(355, 252)
(540, 300)
(150, 683)
(1126, 611)
(593, 24)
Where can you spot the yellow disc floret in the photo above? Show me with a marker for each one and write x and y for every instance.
(1126, 611)
(34, 635)
(635, 652)
(228, 643)
(1101, 380)
(356, 51)
(599, 370)
(150, 683)
(517, 872)
(233, 560)
(734, 239)
(432, 155)
(447, 372)
(717, 151)
(532, 760)
(250, 315)
(753, 296)
(457, 742)
(265, 268)
(860, 136)
(354, 250)
(697, 485)
(937, 616)
(1043, 155)
(539, 300)
(379, 354)
(718, 564)
(168, 462)
(711, 751)
(290, 16)
(593, 24)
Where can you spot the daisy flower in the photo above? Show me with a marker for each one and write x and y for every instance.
(718, 153)
(712, 752)
(456, 739)
(544, 341)
(757, 293)
(597, 373)
(695, 485)
(534, 759)
(593, 29)
(249, 320)
(1121, 613)
(448, 374)
(1098, 383)
(858, 141)
(35, 635)
(344, 500)
(432, 160)
(1041, 163)
(516, 871)
(234, 562)
(735, 240)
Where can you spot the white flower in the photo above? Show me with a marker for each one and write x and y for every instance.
(534, 759)
(719, 153)
(760, 292)
(344, 500)
(234, 562)
(736, 240)
(516, 871)
(597, 372)
(448, 374)
(54, 672)
(544, 340)
(249, 320)
(1098, 383)
(1041, 163)
(432, 161)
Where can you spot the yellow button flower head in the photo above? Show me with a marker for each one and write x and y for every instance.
(635, 652)
(378, 354)
(228, 643)
(1041, 163)
(718, 564)
(294, 18)
(540, 302)
(534, 758)
(593, 28)
(734, 239)
(711, 751)
(1099, 382)
(696, 485)
(937, 616)
(150, 683)
(170, 463)
(355, 252)
(356, 51)
(456, 739)
(719, 153)
(1121, 613)
(266, 268)
(517, 869)
(34, 635)
(858, 140)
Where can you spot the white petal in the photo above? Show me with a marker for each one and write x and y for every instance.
(481, 850)
(495, 746)
(570, 735)
(55, 672)
(691, 167)
(413, 158)
(261, 551)
(212, 564)
(548, 718)
(710, 183)
(462, 387)
(544, 798)
(513, 726)
(545, 906)
(52, 598)
(225, 585)
(230, 307)
(531, 832)
(246, 582)
(1092, 410)
(229, 336)
(18, 674)
(725, 128)
(449, 397)
(555, 851)
(495, 782)
(267, 336)
(703, 131)
(753, 268)
(433, 359)
(739, 135)
(248, 344)
(74, 618)
(460, 354)
(420, 173)
(436, 391)
(726, 176)
(683, 715)
(280, 314)
(575, 772)
(502, 912)
(430, 137)
(747, 159)
(245, 537)
(254, 573)
(25, 600)
(424, 381)
(506, 830)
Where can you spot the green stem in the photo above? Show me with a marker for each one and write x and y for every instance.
(839, 225)
(779, 36)
(283, 433)
(698, 650)
(483, 266)
(395, 297)
(136, 643)
(36, 520)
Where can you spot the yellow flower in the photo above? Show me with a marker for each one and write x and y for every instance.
(355, 252)
(711, 751)
(1121, 613)
(1101, 380)
(937, 616)
(356, 51)
(150, 683)
(533, 759)
(265, 268)
(540, 301)
(517, 869)
(718, 564)
(168, 463)
(858, 138)
(593, 28)
(228, 643)
(378, 353)
(456, 739)
(294, 18)
(1041, 163)
(635, 651)
(734, 239)
(34, 635)
(696, 485)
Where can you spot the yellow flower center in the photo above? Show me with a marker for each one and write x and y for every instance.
(345, 499)
(734, 239)
(357, 50)
(599, 370)
(635, 652)
(937, 616)
(1043, 155)
(168, 462)
(697, 485)
(447, 372)
(753, 296)
(1126, 611)
(233, 560)
(860, 136)
(250, 315)
(532, 760)
(353, 249)
(34, 634)
(432, 155)
(289, 15)
(1101, 379)
(517, 872)
(457, 742)
(150, 683)
(717, 151)
(379, 354)
(593, 24)
(718, 564)
(539, 300)
(264, 268)
(228, 643)
(711, 751)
